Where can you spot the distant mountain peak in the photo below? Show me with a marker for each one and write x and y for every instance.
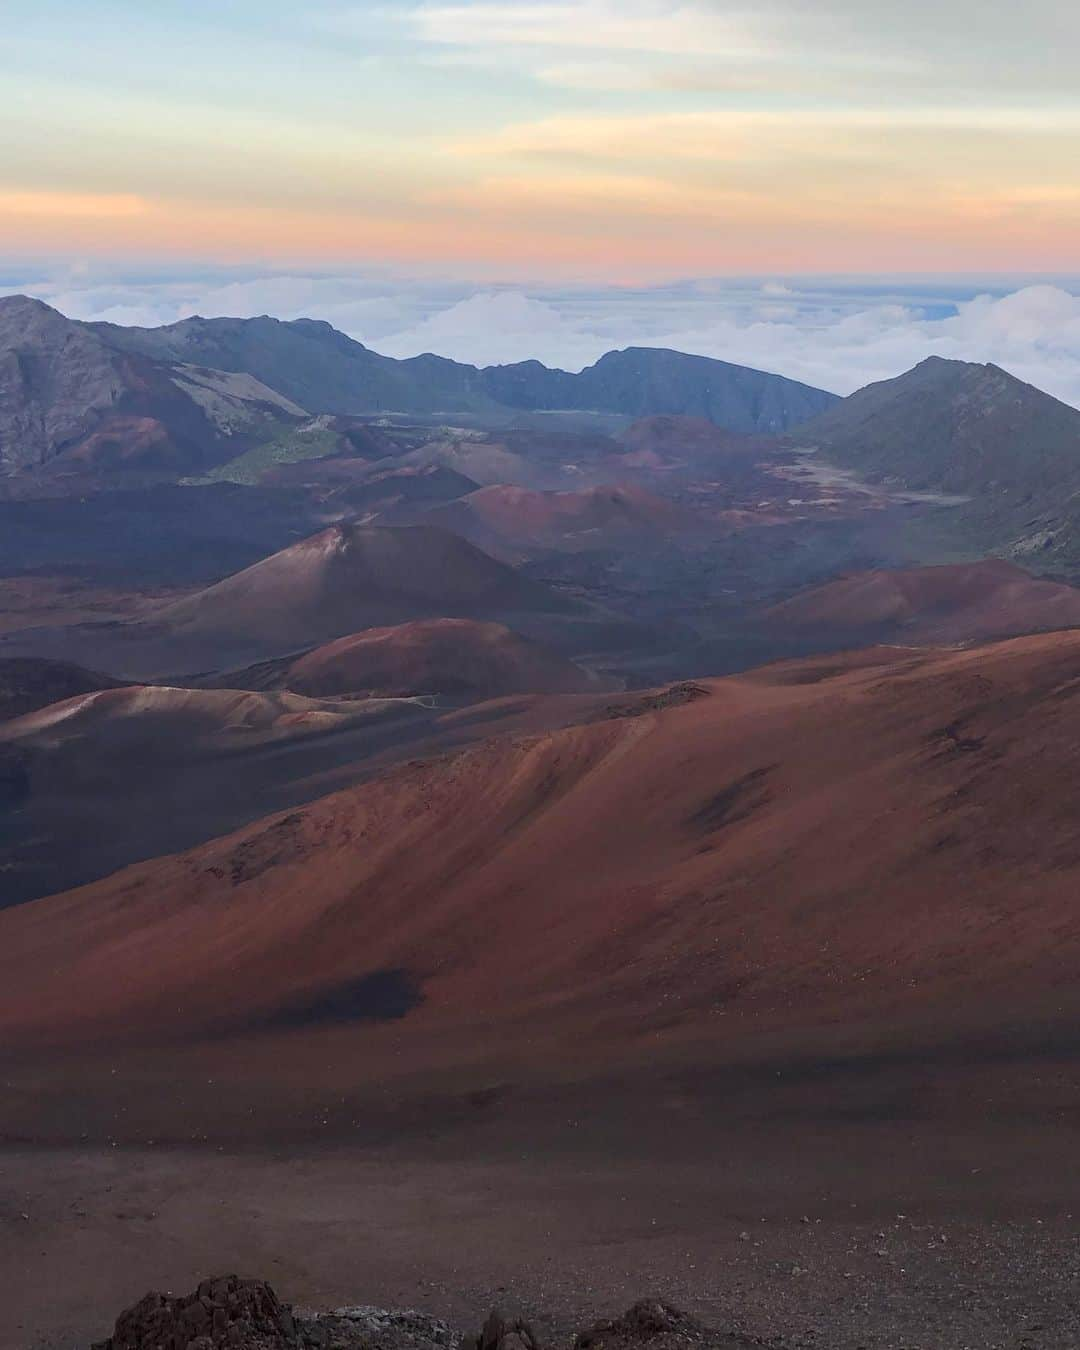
(964, 428)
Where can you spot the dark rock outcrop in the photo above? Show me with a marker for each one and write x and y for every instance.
(247, 1315)
(501, 1333)
(228, 1311)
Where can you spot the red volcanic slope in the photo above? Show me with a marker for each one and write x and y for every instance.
(503, 515)
(807, 845)
(455, 657)
(350, 577)
(962, 601)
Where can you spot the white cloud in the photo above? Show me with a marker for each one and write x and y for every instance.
(975, 45)
(1033, 332)
(649, 26)
(490, 328)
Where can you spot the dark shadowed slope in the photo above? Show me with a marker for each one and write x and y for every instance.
(957, 426)
(641, 381)
(97, 782)
(94, 782)
(27, 684)
(810, 849)
(975, 430)
(325, 371)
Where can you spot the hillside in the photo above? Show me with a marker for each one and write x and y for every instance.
(310, 362)
(326, 372)
(346, 578)
(977, 431)
(960, 602)
(509, 520)
(402, 490)
(960, 428)
(643, 381)
(692, 439)
(351, 577)
(71, 403)
(94, 782)
(390, 923)
(27, 684)
(458, 659)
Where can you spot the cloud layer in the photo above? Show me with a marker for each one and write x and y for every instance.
(837, 335)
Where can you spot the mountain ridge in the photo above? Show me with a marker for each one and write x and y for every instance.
(326, 371)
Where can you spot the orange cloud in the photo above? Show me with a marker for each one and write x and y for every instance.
(49, 207)
(621, 227)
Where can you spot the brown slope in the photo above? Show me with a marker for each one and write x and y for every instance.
(487, 462)
(97, 782)
(454, 658)
(350, 576)
(956, 603)
(514, 519)
(660, 440)
(401, 493)
(804, 848)
(339, 581)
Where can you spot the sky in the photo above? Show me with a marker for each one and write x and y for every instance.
(624, 140)
(828, 188)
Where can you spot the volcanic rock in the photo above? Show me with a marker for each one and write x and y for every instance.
(227, 1311)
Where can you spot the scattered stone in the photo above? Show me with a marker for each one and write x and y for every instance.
(367, 1328)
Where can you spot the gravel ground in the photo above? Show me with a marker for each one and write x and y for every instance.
(870, 1237)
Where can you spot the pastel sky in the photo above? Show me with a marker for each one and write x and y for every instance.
(622, 140)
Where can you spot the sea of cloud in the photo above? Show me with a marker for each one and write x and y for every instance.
(838, 334)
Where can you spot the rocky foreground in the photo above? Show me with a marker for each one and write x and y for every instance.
(247, 1315)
